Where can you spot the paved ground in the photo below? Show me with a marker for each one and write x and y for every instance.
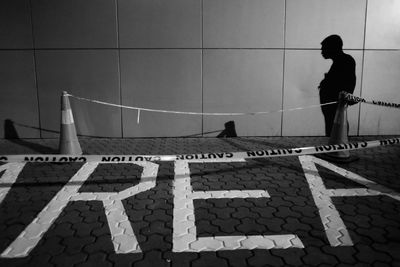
(292, 211)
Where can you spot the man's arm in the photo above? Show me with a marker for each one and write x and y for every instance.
(348, 79)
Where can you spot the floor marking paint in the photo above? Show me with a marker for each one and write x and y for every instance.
(12, 170)
(123, 237)
(32, 234)
(184, 229)
(334, 226)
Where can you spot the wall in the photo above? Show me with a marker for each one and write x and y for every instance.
(191, 55)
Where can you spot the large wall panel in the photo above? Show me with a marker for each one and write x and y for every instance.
(381, 82)
(74, 23)
(244, 24)
(383, 24)
(15, 24)
(161, 79)
(308, 22)
(88, 73)
(192, 55)
(304, 70)
(159, 23)
(18, 101)
(243, 81)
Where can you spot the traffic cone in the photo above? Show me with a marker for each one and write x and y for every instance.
(339, 134)
(69, 143)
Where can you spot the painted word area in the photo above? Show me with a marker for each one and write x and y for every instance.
(185, 238)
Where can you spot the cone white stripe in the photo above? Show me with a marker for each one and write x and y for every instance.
(66, 117)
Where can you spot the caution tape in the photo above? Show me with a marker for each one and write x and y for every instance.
(269, 153)
(353, 98)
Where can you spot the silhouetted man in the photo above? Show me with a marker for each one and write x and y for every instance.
(340, 77)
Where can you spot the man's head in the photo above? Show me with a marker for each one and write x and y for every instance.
(331, 46)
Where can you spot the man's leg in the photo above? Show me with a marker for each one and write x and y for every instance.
(329, 112)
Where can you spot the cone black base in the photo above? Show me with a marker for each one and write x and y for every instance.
(229, 131)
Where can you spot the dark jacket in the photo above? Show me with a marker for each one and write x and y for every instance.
(340, 77)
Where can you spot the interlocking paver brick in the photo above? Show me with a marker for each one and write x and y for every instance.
(210, 259)
(81, 236)
(125, 259)
(96, 259)
(239, 258)
(267, 259)
(153, 258)
(120, 177)
(333, 180)
(367, 255)
(314, 257)
(69, 260)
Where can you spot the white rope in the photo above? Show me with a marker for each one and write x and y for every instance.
(196, 113)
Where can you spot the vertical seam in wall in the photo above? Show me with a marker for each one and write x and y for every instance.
(202, 66)
(35, 71)
(283, 65)
(119, 66)
(362, 66)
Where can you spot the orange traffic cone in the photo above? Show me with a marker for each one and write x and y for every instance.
(69, 143)
(339, 134)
